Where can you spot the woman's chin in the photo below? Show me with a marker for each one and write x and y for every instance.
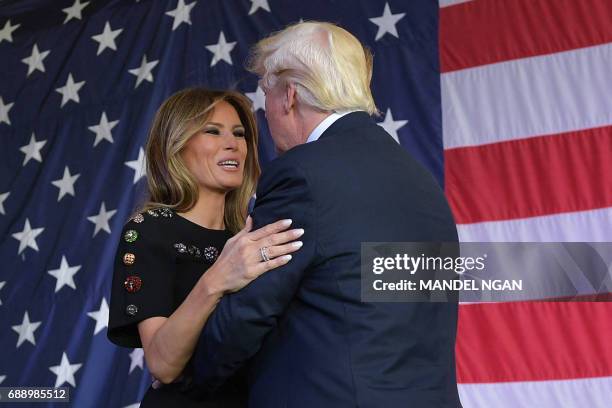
(222, 188)
(230, 186)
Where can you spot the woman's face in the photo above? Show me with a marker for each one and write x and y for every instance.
(216, 155)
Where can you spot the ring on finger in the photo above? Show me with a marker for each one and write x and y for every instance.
(265, 257)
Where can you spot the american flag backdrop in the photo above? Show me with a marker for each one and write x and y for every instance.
(507, 102)
(526, 91)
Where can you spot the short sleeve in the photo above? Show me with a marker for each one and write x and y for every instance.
(143, 279)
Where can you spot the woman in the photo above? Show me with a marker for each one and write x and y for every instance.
(201, 170)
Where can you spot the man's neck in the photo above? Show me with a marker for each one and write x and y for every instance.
(310, 120)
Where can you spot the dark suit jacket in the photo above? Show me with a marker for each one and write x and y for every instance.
(307, 338)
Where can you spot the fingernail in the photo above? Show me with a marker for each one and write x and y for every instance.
(287, 258)
(287, 222)
(298, 232)
(297, 244)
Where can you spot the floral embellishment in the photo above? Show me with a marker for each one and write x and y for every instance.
(211, 253)
(194, 251)
(163, 211)
(138, 218)
(132, 284)
(130, 236)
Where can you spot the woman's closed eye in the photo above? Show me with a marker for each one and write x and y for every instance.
(215, 131)
(212, 131)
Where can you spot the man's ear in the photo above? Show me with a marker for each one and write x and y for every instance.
(290, 97)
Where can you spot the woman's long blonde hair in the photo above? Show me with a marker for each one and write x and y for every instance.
(170, 183)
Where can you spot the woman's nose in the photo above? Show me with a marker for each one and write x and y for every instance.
(230, 142)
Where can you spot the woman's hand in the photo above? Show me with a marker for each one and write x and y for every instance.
(241, 260)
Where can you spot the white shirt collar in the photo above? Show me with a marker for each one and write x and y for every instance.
(325, 124)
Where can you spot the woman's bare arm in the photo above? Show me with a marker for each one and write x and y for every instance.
(168, 342)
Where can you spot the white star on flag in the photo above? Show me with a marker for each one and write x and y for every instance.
(26, 330)
(74, 11)
(103, 129)
(64, 275)
(136, 357)
(181, 14)
(392, 126)
(101, 220)
(70, 90)
(257, 4)
(100, 316)
(386, 23)
(27, 237)
(258, 98)
(65, 372)
(221, 50)
(139, 165)
(144, 71)
(65, 184)
(3, 198)
(1, 286)
(7, 32)
(106, 39)
(35, 60)
(32, 150)
(4, 111)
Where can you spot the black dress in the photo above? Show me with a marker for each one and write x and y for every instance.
(159, 260)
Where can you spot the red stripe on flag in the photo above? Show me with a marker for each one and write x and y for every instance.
(484, 32)
(530, 177)
(533, 341)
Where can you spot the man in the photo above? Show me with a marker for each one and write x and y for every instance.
(308, 339)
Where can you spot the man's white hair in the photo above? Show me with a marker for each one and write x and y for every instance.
(330, 67)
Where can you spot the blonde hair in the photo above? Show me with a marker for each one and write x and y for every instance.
(330, 67)
(170, 183)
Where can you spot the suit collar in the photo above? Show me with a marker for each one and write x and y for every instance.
(325, 123)
(357, 119)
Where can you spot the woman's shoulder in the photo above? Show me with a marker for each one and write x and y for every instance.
(156, 218)
(152, 225)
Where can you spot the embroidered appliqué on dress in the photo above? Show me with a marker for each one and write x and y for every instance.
(180, 247)
(163, 211)
(209, 253)
(138, 218)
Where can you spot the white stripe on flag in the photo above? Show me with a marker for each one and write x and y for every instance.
(446, 3)
(527, 97)
(582, 226)
(576, 393)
